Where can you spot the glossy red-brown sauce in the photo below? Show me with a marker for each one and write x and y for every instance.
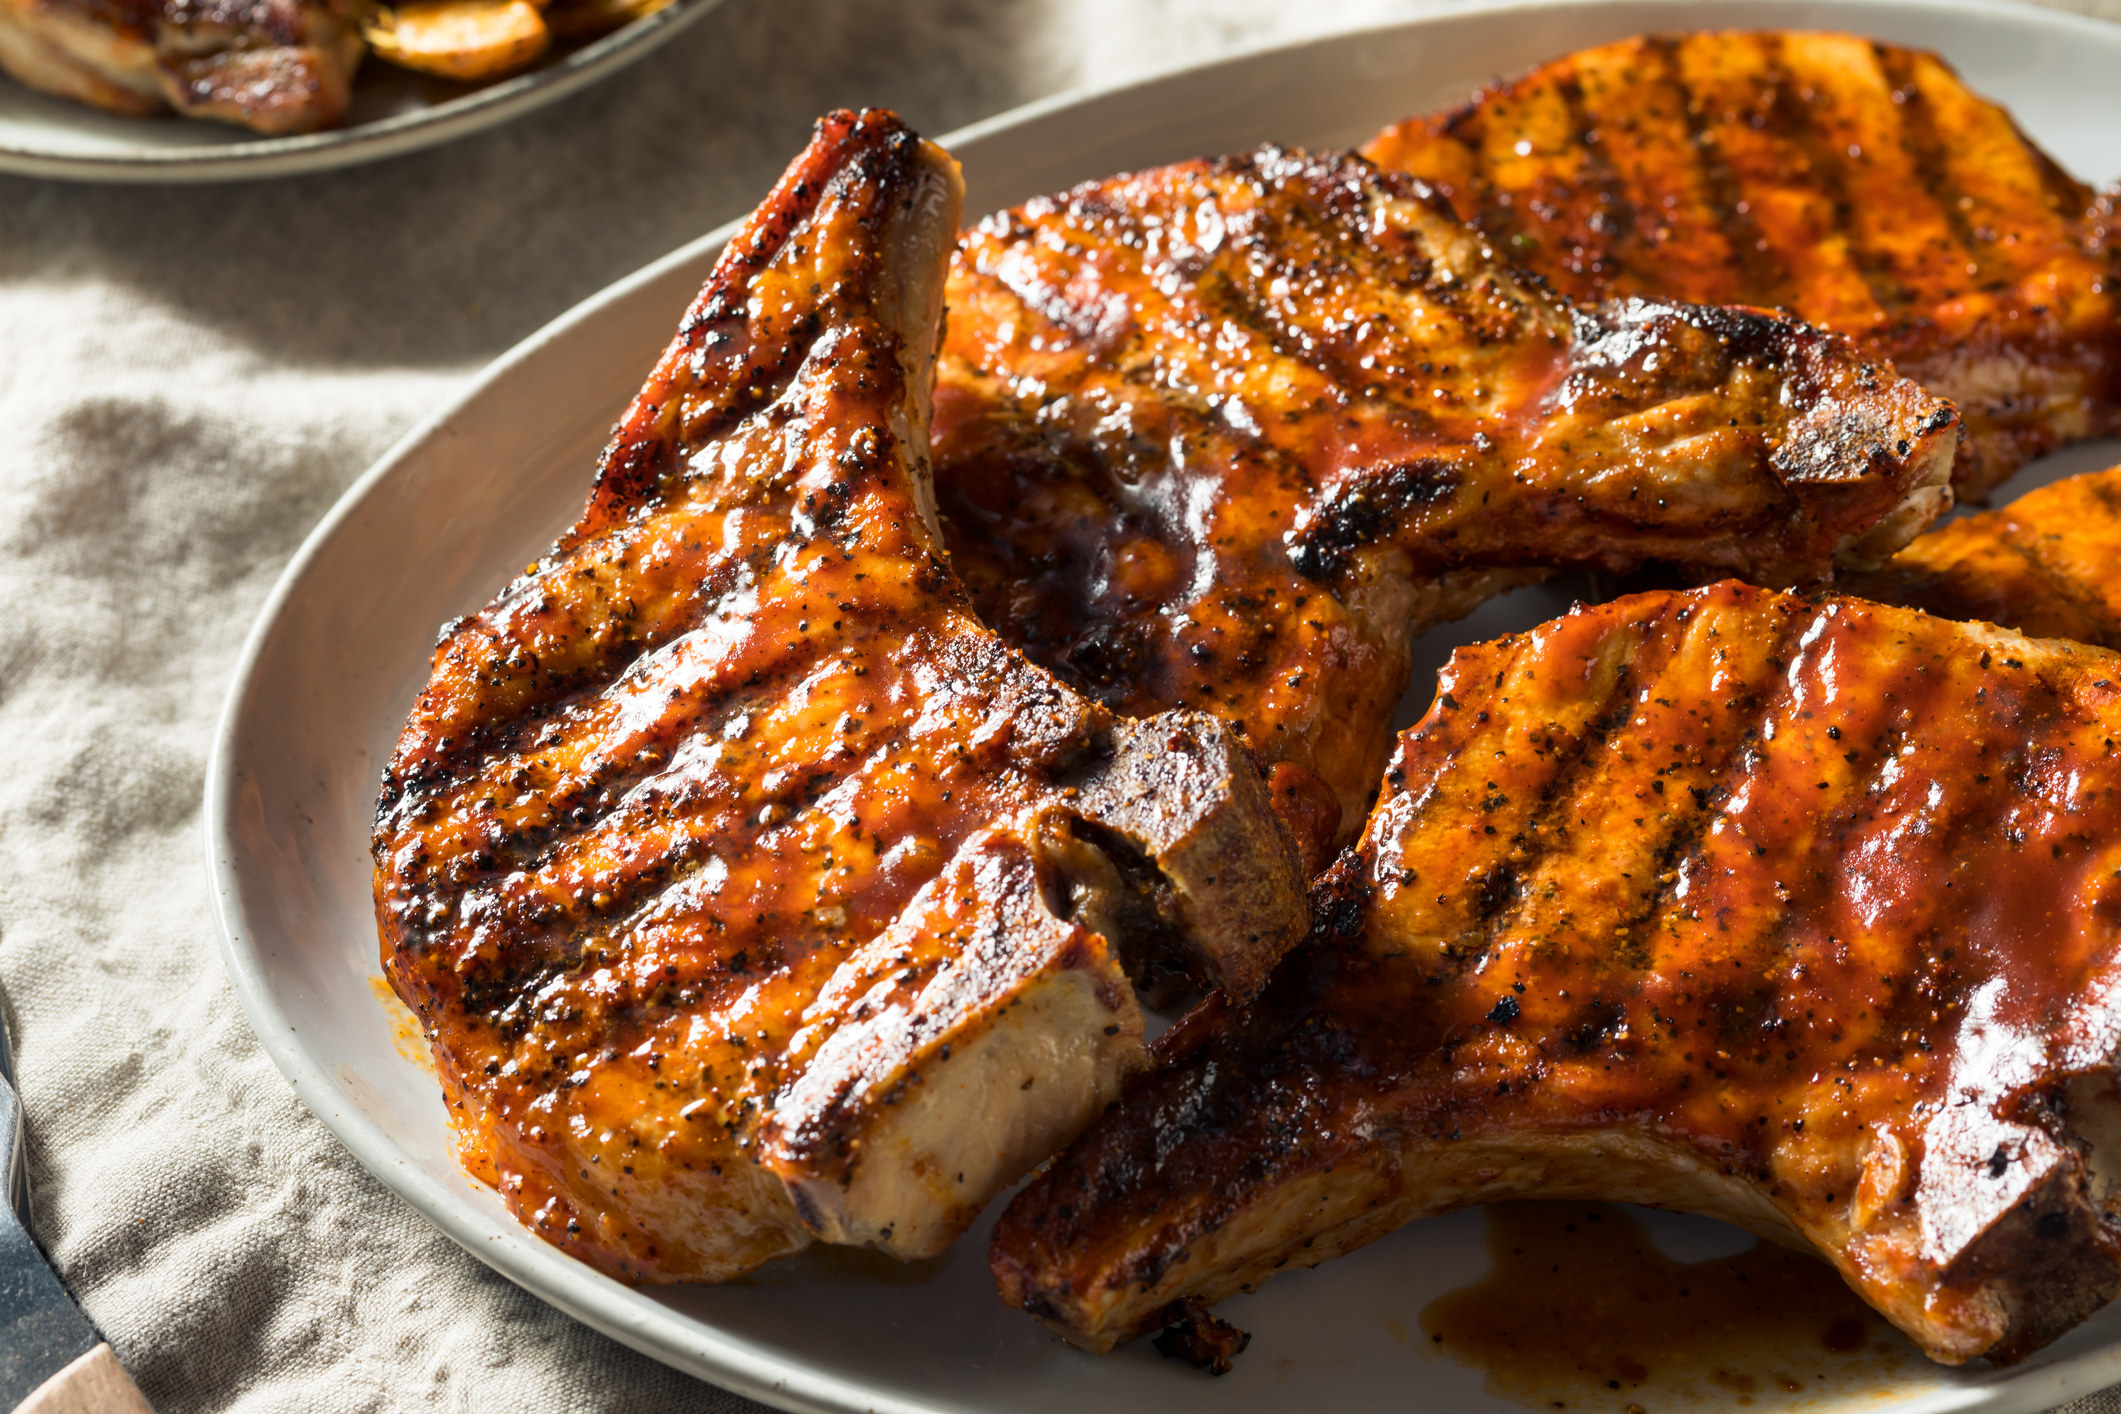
(1230, 434)
(1817, 899)
(1580, 1310)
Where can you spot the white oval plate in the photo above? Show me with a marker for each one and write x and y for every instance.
(428, 533)
(394, 111)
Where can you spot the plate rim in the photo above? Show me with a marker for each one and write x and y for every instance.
(651, 1328)
(260, 158)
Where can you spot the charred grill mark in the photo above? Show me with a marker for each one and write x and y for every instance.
(1732, 83)
(1773, 723)
(1309, 248)
(1786, 943)
(1220, 298)
(1512, 226)
(1633, 253)
(1359, 512)
(1611, 211)
(1630, 937)
(1363, 510)
(537, 744)
(1499, 899)
(1922, 244)
(1518, 223)
(1698, 811)
(2005, 188)
(549, 649)
(843, 171)
(1765, 280)
(1924, 145)
(1793, 114)
(1695, 815)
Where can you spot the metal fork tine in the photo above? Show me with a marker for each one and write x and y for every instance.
(13, 1132)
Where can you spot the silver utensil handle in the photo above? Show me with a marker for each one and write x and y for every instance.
(94, 1384)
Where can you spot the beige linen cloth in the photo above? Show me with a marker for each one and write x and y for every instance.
(188, 378)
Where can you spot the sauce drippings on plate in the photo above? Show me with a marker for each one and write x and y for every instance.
(1582, 1311)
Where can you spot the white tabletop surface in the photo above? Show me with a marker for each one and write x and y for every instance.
(188, 378)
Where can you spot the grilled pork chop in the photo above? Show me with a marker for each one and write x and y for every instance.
(1858, 183)
(748, 888)
(1798, 913)
(2044, 564)
(276, 66)
(1232, 434)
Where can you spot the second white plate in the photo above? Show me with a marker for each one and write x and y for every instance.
(394, 111)
(440, 522)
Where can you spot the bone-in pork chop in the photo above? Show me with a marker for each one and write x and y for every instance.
(749, 889)
(1804, 914)
(276, 66)
(1231, 434)
(2048, 564)
(1859, 183)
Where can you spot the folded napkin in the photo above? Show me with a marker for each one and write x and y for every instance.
(188, 378)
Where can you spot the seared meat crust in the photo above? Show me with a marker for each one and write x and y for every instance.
(1232, 434)
(1858, 183)
(275, 66)
(2043, 565)
(1799, 913)
(749, 888)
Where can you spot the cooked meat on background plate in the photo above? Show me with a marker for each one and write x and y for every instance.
(277, 67)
